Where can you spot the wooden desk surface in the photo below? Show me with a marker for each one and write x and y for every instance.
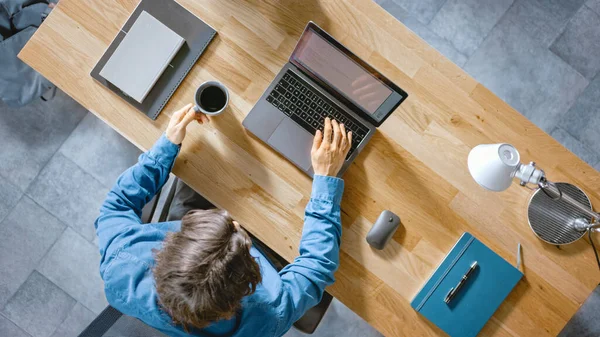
(414, 166)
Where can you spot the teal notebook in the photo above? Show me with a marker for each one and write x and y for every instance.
(481, 294)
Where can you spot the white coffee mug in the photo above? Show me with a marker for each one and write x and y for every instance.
(214, 104)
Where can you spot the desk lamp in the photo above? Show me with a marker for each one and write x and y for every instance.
(561, 214)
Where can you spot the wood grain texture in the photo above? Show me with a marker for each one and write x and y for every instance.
(414, 166)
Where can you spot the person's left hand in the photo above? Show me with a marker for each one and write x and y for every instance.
(180, 120)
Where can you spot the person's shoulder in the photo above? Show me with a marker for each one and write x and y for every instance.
(140, 302)
(268, 291)
(129, 266)
(259, 314)
(126, 241)
(129, 283)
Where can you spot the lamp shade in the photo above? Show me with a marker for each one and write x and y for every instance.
(493, 166)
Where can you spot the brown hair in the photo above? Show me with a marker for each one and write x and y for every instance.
(204, 270)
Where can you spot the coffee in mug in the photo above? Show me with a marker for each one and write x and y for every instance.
(211, 98)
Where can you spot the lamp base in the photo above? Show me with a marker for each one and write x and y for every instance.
(556, 221)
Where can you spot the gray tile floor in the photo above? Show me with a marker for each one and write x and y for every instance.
(58, 161)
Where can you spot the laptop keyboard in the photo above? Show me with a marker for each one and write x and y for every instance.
(308, 107)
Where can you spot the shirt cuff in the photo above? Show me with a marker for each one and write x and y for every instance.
(327, 188)
(164, 151)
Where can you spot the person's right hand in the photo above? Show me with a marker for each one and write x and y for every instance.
(330, 148)
(180, 120)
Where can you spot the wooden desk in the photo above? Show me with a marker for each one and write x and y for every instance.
(415, 165)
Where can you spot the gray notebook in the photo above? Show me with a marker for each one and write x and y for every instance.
(142, 56)
(197, 35)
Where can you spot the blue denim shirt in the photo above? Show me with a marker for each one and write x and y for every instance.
(282, 298)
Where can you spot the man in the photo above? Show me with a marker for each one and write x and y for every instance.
(201, 276)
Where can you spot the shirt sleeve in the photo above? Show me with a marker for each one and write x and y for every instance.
(122, 208)
(304, 280)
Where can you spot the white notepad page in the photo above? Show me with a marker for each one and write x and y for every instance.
(142, 56)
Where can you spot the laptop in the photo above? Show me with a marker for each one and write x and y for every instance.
(322, 78)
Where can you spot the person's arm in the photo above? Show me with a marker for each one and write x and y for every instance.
(304, 280)
(133, 190)
(122, 208)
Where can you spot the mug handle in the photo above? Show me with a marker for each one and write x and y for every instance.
(197, 108)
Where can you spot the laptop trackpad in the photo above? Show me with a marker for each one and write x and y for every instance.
(293, 142)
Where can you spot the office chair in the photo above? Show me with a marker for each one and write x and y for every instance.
(157, 210)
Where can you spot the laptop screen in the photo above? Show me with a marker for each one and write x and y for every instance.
(340, 70)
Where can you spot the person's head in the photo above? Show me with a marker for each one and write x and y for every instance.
(203, 271)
